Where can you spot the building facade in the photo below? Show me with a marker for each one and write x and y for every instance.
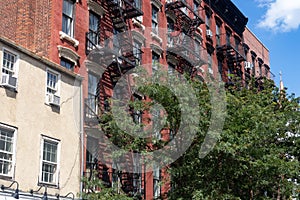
(199, 37)
(39, 125)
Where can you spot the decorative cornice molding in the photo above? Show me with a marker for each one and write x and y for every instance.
(157, 49)
(157, 4)
(95, 7)
(68, 54)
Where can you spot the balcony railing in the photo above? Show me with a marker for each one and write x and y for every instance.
(92, 40)
(234, 49)
(187, 48)
(91, 110)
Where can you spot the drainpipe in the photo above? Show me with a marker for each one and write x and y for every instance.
(81, 140)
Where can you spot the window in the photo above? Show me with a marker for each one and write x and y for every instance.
(156, 182)
(207, 20)
(170, 28)
(197, 47)
(220, 69)
(137, 114)
(253, 67)
(9, 63)
(155, 61)
(196, 8)
(137, 179)
(93, 35)
(116, 45)
(171, 69)
(137, 52)
(49, 161)
(156, 119)
(93, 81)
(218, 33)
(138, 5)
(7, 149)
(52, 87)
(9, 68)
(68, 17)
(228, 36)
(67, 64)
(209, 63)
(154, 19)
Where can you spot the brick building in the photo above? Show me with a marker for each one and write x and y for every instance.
(201, 38)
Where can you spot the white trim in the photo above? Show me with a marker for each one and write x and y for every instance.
(64, 36)
(43, 139)
(156, 37)
(57, 93)
(14, 152)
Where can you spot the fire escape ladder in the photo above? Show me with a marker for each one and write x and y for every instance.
(185, 23)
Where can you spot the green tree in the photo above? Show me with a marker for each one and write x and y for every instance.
(257, 155)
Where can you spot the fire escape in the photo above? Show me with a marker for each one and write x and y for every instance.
(181, 43)
(117, 56)
(232, 50)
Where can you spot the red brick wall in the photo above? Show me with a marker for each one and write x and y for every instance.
(27, 23)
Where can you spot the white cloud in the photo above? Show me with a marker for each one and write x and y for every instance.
(281, 15)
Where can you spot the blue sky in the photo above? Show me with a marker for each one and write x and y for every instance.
(277, 24)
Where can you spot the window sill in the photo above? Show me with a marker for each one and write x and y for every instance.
(138, 24)
(64, 36)
(50, 185)
(156, 37)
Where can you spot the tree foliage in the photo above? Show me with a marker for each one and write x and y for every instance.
(257, 155)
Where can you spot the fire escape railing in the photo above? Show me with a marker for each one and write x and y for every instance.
(231, 49)
(188, 19)
(185, 47)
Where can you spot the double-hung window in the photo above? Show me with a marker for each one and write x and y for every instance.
(49, 161)
(7, 150)
(154, 19)
(68, 17)
(52, 87)
(137, 52)
(9, 68)
(155, 61)
(92, 96)
(93, 35)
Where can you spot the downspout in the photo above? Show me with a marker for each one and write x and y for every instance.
(81, 140)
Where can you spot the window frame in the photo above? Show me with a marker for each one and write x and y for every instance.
(58, 82)
(4, 127)
(57, 172)
(154, 19)
(155, 62)
(67, 61)
(65, 16)
(15, 71)
(94, 34)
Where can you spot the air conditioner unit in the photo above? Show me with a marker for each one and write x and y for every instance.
(9, 81)
(54, 99)
(210, 71)
(248, 65)
(209, 33)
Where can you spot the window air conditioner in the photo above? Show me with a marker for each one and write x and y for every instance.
(9, 81)
(209, 33)
(54, 99)
(248, 65)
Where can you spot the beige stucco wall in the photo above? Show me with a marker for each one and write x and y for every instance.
(33, 118)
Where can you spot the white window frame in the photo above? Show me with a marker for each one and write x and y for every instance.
(13, 161)
(56, 175)
(72, 18)
(15, 71)
(57, 89)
